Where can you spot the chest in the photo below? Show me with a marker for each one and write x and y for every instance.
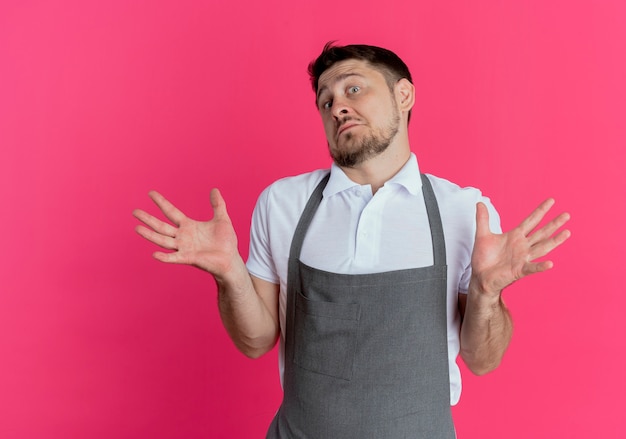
(355, 232)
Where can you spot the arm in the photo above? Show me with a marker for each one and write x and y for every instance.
(248, 306)
(498, 260)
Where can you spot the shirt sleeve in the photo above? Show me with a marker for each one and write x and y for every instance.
(260, 263)
(494, 226)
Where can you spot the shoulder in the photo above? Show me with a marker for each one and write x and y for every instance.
(457, 204)
(290, 194)
(297, 184)
(446, 188)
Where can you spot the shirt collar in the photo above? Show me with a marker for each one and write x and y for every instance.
(408, 177)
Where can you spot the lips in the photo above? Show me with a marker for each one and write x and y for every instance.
(345, 126)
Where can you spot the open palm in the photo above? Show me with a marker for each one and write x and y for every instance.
(498, 260)
(209, 245)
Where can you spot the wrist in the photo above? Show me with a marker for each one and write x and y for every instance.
(232, 273)
(479, 287)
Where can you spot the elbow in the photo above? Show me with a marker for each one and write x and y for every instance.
(482, 369)
(255, 353)
(480, 366)
(257, 348)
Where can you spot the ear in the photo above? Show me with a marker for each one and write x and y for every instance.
(405, 94)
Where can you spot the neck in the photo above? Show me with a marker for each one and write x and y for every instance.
(376, 171)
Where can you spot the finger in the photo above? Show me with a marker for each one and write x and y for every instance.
(536, 216)
(547, 245)
(169, 258)
(163, 241)
(168, 209)
(154, 223)
(537, 267)
(482, 220)
(218, 204)
(547, 230)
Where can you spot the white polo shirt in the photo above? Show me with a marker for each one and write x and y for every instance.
(355, 232)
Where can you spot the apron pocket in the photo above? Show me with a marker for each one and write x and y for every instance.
(325, 336)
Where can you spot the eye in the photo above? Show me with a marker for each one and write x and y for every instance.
(354, 89)
(326, 105)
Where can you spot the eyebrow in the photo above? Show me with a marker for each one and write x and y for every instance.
(336, 79)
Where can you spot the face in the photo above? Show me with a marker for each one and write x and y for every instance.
(359, 111)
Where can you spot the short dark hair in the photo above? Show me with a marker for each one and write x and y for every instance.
(389, 64)
(384, 60)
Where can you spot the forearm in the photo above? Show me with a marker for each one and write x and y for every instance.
(250, 324)
(486, 329)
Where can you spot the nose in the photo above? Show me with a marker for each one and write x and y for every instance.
(340, 108)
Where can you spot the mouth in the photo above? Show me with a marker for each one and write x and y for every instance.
(345, 127)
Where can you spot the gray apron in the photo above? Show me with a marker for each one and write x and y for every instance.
(366, 356)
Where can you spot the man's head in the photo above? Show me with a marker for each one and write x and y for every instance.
(387, 62)
(364, 95)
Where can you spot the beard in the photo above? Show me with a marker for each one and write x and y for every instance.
(370, 145)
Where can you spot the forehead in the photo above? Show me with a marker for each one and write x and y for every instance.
(344, 69)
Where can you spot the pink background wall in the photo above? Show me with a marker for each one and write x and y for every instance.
(102, 101)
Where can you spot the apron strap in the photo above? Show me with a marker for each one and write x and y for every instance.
(434, 218)
(305, 220)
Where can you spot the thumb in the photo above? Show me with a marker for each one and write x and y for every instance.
(218, 204)
(482, 220)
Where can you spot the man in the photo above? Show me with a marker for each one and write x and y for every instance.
(373, 277)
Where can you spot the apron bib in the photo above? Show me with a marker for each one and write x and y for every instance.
(366, 356)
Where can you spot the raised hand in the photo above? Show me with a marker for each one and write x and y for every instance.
(209, 245)
(498, 260)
